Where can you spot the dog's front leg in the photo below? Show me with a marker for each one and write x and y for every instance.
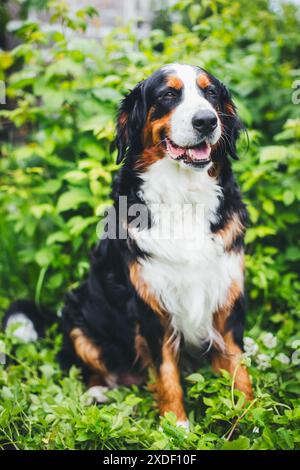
(231, 360)
(229, 322)
(168, 387)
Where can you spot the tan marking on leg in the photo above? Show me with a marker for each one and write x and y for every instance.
(168, 390)
(142, 350)
(229, 361)
(231, 356)
(90, 353)
(221, 315)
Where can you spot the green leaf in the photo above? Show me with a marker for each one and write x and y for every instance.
(269, 207)
(293, 253)
(44, 257)
(209, 402)
(78, 224)
(56, 237)
(253, 213)
(242, 443)
(108, 94)
(70, 200)
(285, 439)
(194, 12)
(288, 197)
(195, 378)
(75, 176)
(274, 153)
(49, 187)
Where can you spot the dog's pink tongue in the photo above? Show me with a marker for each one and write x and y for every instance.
(199, 153)
(194, 154)
(175, 152)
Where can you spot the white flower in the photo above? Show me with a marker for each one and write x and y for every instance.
(263, 362)
(245, 360)
(250, 346)
(295, 344)
(296, 357)
(269, 340)
(12, 208)
(255, 429)
(283, 358)
(2, 352)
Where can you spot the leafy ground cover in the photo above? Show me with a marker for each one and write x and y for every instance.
(57, 166)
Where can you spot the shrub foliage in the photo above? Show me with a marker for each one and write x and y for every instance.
(57, 164)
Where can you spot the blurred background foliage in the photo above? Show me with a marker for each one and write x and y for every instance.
(57, 159)
(58, 128)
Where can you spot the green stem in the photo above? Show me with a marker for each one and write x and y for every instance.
(239, 419)
(39, 285)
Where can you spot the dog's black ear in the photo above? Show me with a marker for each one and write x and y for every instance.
(131, 120)
(232, 125)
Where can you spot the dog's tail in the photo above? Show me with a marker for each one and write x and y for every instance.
(31, 320)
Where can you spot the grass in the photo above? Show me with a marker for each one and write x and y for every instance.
(42, 408)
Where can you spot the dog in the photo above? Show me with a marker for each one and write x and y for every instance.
(147, 295)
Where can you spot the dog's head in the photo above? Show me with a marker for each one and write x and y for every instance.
(180, 112)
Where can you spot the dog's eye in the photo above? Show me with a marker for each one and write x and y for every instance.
(170, 94)
(211, 92)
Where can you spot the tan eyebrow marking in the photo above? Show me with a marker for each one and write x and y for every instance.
(203, 81)
(174, 82)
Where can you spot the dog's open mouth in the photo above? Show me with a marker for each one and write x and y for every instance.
(198, 155)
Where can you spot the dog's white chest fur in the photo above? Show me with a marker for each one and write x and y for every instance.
(189, 271)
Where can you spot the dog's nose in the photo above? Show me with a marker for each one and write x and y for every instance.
(205, 121)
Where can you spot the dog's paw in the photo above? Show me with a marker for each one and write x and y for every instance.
(96, 394)
(184, 424)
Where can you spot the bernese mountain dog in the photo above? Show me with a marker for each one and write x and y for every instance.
(177, 277)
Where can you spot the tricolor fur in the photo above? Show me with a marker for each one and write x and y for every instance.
(176, 133)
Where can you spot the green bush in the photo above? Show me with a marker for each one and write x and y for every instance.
(56, 170)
